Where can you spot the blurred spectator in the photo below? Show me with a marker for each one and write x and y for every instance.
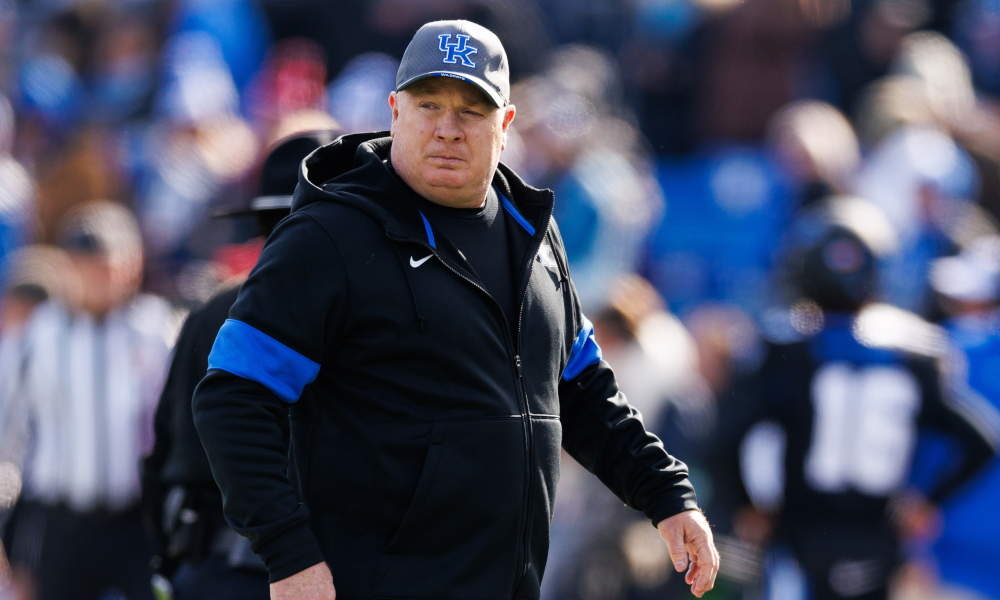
(934, 61)
(588, 72)
(968, 548)
(658, 359)
(662, 62)
(84, 382)
(124, 70)
(977, 32)
(923, 182)
(729, 351)
(292, 79)
(862, 50)
(711, 71)
(199, 149)
(50, 82)
(980, 136)
(81, 169)
(600, 549)
(890, 103)
(358, 94)
(38, 273)
(198, 84)
(9, 25)
(727, 342)
(751, 68)
(816, 145)
(947, 89)
(17, 191)
(594, 162)
(238, 26)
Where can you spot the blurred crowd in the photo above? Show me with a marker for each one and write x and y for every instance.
(681, 137)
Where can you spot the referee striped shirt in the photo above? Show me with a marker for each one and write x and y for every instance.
(82, 393)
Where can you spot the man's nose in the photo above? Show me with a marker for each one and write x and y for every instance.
(449, 128)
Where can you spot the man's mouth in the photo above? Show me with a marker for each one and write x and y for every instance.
(446, 160)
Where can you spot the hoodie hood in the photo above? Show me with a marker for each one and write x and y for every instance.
(351, 170)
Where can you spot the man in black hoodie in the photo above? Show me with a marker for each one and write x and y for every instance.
(416, 317)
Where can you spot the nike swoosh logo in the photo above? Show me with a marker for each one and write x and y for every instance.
(417, 263)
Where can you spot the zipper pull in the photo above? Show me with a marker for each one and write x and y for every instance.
(517, 363)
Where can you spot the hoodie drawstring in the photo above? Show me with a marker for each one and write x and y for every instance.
(413, 293)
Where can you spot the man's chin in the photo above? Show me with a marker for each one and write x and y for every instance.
(446, 179)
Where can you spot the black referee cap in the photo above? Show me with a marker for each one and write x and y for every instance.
(280, 173)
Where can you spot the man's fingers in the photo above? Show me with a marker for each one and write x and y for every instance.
(703, 552)
(708, 561)
(692, 574)
(705, 580)
(706, 553)
(674, 537)
(702, 585)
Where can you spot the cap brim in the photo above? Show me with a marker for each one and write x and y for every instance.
(258, 204)
(483, 87)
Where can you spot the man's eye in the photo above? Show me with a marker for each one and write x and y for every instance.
(472, 113)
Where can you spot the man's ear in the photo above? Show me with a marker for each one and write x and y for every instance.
(394, 106)
(508, 117)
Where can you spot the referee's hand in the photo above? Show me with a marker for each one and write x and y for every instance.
(314, 583)
(689, 540)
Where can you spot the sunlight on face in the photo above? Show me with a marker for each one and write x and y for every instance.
(447, 139)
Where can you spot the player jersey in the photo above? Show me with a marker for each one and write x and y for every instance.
(849, 401)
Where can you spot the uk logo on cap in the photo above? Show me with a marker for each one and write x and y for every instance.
(469, 52)
(455, 51)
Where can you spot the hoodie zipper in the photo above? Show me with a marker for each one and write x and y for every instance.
(529, 458)
(514, 348)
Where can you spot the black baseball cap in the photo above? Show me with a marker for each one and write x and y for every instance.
(280, 173)
(459, 49)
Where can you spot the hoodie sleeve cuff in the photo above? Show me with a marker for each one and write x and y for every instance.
(668, 507)
(293, 550)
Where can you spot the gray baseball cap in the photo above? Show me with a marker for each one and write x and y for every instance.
(459, 49)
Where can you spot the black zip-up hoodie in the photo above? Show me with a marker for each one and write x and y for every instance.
(424, 435)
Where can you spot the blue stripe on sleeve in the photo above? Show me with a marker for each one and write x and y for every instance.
(585, 352)
(430, 234)
(517, 216)
(248, 353)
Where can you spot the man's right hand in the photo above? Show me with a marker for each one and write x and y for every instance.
(315, 583)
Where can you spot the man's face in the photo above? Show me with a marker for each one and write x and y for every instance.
(96, 277)
(104, 283)
(447, 139)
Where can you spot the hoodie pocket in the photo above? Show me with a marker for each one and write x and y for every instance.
(413, 512)
(460, 533)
